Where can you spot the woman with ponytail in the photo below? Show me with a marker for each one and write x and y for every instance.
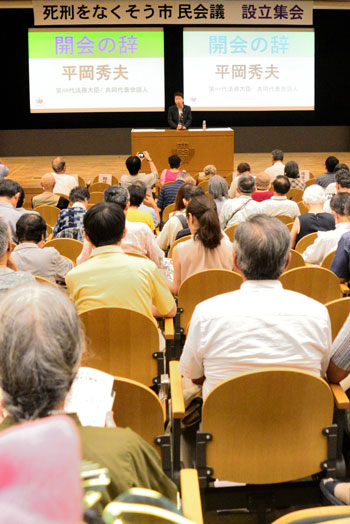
(209, 247)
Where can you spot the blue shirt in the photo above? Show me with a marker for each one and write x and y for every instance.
(341, 260)
(168, 194)
(72, 217)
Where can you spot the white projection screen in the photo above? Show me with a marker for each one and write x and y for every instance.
(249, 69)
(96, 70)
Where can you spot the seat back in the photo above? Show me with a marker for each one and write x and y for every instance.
(338, 312)
(98, 187)
(285, 219)
(67, 247)
(310, 182)
(178, 241)
(96, 197)
(295, 194)
(49, 213)
(106, 178)
(134, 406)
(315, 282)
(43, 280)
(296, 260)
(328, 259)
(305, 242)
(121, 342)
(230, 232)
(204, 285)
(317, 515)
(267, 426)
(302, 207)
(167, 210)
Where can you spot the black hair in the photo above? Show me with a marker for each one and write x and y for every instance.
(339, 203)
(178, 93)
(79, 194)
(342, 177)
(281, 185)
(291, 169)
(174, 161)
(31, 228)
(209, 230)
(243, 167)
(137, 194)
(133, 164)
(331, 162)
(104, 224)
(9, 188)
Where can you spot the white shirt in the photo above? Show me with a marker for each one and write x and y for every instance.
(64, 183)
(241, 208)
(280, 205)
(170, 229)
(45, 262)
(275, 170)
(325, 242)
(261, 325)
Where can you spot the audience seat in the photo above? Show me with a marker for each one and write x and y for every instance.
(98, 187)
(317, 515)
(230, 232)
(338, 312)
(67, 247)
(49, 214)
(295, 194)
(302, 207)
(101, 178)
(305, 242)
(315, 282)
(181, 239)
(296, 260)
(285, 219)
(290, 226)
(166, 211)
(310, 182)
(190, 495)
(328, 259)
(96, 197)
(204, 185)
(81, 181)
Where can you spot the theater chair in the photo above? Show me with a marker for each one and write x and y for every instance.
(338, 312)
(315, 282)
(334, 514)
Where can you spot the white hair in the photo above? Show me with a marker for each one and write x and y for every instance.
(314, 194)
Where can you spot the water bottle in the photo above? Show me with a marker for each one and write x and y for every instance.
(204, 125)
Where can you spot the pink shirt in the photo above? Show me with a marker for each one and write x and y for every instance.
(168, 176)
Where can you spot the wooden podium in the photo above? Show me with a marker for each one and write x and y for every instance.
(195, 147)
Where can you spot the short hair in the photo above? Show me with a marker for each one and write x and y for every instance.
(5, 235)
(133, 164)
(41, 343)
(218, 187)
(331, 162)
(340, 204)
(243, 167)
(209, 170)
(117, 194)
(174, 161)
(79, 194)
(4, 171)
(104, 224)
(262, 245)
(137, 194)
(277, 154)
(21, 197)
(31, 228)
(246, 184)
(314, 194)
(342, 177)
(182, 175)
(59, 166)
(9, 188)
(204, 210)
(186, 191)
(291, 169)
(178, 93)
(341, 166)
(281, 185)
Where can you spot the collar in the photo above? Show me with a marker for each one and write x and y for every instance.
(8, 421)
(7, 204)
(106, 249)
(261, 285)
(343, 225)
(6, 271)
(246, 197)
(275, 197)
(26, 245)
(78, 205)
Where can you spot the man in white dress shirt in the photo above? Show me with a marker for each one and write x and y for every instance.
(327, 241)
(279, 203)
(277, 167)
(261, 325)
(64, 183)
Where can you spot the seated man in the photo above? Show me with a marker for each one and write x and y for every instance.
(277, 167)
(242, 169)
(279, 203)
(9, 196)
(137, 194)
(329, 177)
(149, 204)
(261, 325)
(327, 241)
(112, 278)
(133, 164)
(31, 254)
(48, 197)
(10, 276)
(42, 343)
(72, 218)
(238, 209)
(20, 203)
(64, 183)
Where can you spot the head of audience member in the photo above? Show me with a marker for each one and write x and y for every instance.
(79, 194)
(59, 165)
(330, 163)
(218, 188)
(4, 171)
(48, 182)
(9, 192)
(340, 206)
(118, 195)
(174, 162)
(291, 169)
(186, 177)
(314, 197)
(281, 185)
(179, 99)
(261, 248)
(342, 180)
(41, 340)
(5, 242)
(104, 224)
(137, 194)
(203, 221)
(277, 155)
(31, 228)
(262, 181)
(246, 185)
(340, 166)
(209, 170)
(133, 164)
(22, 196)
(243, 167)
(185, 192)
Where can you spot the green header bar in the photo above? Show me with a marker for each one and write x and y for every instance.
(95, 44)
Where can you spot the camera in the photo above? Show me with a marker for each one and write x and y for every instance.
(140, 155)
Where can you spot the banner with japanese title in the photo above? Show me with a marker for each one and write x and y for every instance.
(191, 12)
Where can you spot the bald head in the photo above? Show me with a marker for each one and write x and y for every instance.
(59, 165)
(48, 182)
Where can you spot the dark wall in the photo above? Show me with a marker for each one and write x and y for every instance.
(259, 131)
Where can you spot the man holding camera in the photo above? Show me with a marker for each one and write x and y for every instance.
(133, 164)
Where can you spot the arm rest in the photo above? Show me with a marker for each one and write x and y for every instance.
(340, 398)
(169, 332)
(190, 495)
(177, 396)
(344, 288)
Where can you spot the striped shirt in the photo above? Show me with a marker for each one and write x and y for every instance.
(168, 194)
(341, 347)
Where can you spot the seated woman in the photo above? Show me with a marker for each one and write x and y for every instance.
(315, 219)
(291, 171)
(207, 249)
(218, 189)
(170, 175)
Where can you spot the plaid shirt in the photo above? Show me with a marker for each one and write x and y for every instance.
(70, 218)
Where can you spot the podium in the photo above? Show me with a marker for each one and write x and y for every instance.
(196, 147)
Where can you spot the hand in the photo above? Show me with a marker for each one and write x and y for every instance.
(147, 156)
(179, 126)
(150, 200)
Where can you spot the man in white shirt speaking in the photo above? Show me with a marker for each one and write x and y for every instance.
(261, 325)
